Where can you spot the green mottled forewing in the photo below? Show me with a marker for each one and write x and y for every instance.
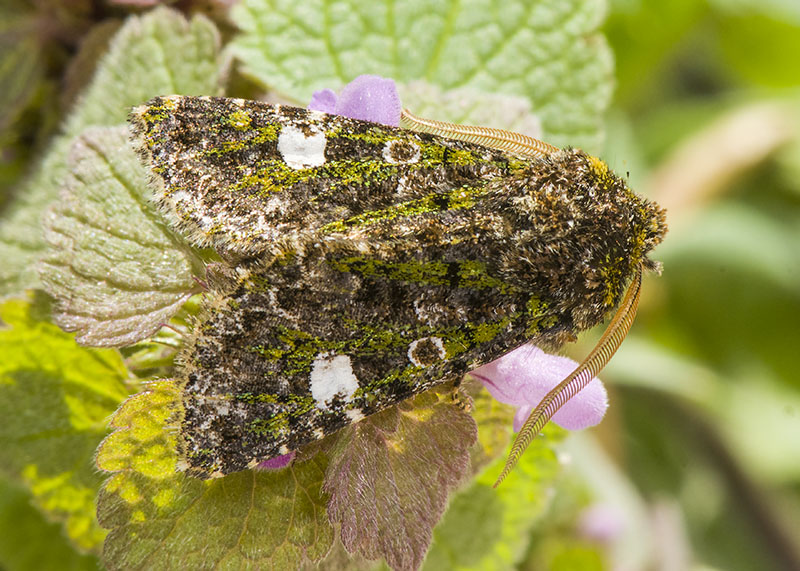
(298, 350)
(390, 302)
(250, 177)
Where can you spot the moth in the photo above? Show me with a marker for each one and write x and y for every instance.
(363, 264)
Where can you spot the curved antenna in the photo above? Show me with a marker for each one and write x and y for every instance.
(580, 377)
(486, 136)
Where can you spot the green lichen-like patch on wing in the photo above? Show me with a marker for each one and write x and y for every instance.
(251, 177)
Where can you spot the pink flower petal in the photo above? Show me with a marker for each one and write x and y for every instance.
(276, 463)
(323, 100)
(522, 414)
(524, 376)
(367, 97)
(370, 98)
(602, 523)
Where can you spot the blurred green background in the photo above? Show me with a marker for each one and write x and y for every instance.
(705, 420)
(697, 465)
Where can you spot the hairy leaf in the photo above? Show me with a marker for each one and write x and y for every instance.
(117, 272)
(160, 52)
(55, 397)
(338, 558)
(486, 528)
(548, 51)
(390, 475)
(160, 518)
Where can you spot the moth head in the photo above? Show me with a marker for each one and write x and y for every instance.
(578, 233)
(646, 219)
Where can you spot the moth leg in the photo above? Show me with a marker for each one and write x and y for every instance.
(460, 397)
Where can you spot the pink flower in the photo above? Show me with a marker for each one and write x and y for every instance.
(276, 463)
(367, 97)
(523, 376)
(601, 522)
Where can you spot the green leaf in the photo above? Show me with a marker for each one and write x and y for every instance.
(758, 260)
(162, 518)
(390, 475)
(487, 528)
(28, 542)
(116, 270)
(494, 420)
(140, 443)
(645, 49)
(24, 103)
(93, 47)
(548, 51)
(55, 397)
(154, 54)
(569, 554)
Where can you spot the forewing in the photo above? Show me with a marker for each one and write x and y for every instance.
(252, 177)
(306, 346)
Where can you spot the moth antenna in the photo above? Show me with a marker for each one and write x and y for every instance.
(495, 138)
(580, 377)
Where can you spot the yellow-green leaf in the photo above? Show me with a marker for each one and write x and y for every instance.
(162, 519)
(55, 399)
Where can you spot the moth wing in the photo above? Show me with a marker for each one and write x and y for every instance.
(301, 349)
(251, 177)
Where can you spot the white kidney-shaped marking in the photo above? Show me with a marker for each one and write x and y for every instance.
(332, 375)
(301, 151)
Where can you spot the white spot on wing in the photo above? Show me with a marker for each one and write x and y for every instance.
(429, 346)
(301, 151)
(332, 375)
(401, 152)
